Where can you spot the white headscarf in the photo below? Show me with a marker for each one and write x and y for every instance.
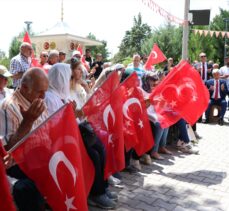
(59, 80)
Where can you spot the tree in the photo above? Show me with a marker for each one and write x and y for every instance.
(168, 38)
(99, 49)
(133, 39)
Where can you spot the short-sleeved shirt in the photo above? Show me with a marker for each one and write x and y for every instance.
(139, 70)
(225, 71)
(11, 117)
(19, 64)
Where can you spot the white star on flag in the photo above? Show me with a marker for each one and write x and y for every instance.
(69, 203)
(140, 123)
(128, 123)
(110, 141)
(173, 104)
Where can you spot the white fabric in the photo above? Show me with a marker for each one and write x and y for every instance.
(223, 72)
(5, 93)
(79, 95)
(59, 80)
(214, 93)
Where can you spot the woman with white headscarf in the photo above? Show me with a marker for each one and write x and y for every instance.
(59, 87)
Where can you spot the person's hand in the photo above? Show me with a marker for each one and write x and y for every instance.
(8, 161)
(96, 65)
(222, 87)
(35, 110)
(147, 102)
(17, 75)
(211, 88)
(79, 113)
(93, 70)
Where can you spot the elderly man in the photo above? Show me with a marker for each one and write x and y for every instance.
(203, 67)
(224, 73)
(4, 75)
(20, 113)
(21, 63)
(218, 90)
(53, 57)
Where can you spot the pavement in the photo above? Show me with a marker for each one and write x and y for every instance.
(183, 182)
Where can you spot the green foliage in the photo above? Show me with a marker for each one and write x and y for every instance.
(168, 38)
(134, 38)
(98, 49)
(14, 47)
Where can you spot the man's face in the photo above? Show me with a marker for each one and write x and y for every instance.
(44, 57)
(54, 59)
(3, 82)
(27, 51)
(88, 53)
(227, 61)
(216, 76)
(62, 56)
(136, 61)
(37, 90)
(99, 58)
(203, 58)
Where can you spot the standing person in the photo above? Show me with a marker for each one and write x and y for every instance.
(4, 75)
(218, 90)
(136, 66)
(224, 74)
(62, 56)
(89, 58)
(168, 66)
(21, 63)
(98, 65)
(203, 67)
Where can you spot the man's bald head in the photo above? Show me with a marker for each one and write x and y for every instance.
(26, 49)
(34, 84)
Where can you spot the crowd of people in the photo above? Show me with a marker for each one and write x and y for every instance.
(37, 92)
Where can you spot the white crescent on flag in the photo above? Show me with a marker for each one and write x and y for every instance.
(155, 54)
(58, 157)
(108, 110)
(126, 105)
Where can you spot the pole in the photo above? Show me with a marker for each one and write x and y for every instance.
(225, 39)
(185, 31)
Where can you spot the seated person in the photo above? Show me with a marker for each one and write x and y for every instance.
(20, 113)
(218, 89)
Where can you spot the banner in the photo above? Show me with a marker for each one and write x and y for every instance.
(211, 33)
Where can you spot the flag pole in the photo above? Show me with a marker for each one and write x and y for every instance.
(185, 31)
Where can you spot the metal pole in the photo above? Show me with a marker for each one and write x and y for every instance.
(225, 39)
(185, 31)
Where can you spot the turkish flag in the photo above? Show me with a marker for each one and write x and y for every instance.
(54, 157)
(104, 112)
(34, 62)
(83, 57)
(156, 56)
(182, 93)
(6, 200)
(137, 129)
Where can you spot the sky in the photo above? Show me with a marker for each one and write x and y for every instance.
(106, 19)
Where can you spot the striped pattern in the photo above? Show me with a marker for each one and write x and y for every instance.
(10, 115)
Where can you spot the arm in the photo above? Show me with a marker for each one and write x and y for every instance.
(15, 69)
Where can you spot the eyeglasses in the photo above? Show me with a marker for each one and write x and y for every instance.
(203, 56)
(45, 55)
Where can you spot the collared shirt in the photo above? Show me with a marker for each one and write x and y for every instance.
(214, 93)
(18, 64)
(11, 117)
(5, 93)
(205, 67)
(225, 71)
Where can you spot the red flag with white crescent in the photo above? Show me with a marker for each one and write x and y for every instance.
(104, 112)
(54, 157)
(156, 56)
(181, 94)
(137, 129)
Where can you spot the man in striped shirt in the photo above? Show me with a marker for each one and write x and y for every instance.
(19, 114)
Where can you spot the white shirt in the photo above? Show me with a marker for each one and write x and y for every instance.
(79, 95)
(225, 71)
(5, 93)
(214, 93)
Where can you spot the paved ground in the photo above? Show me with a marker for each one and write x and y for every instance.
(183, 182)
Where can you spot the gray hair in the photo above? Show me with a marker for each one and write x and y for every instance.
(24, 45)
(53, 53)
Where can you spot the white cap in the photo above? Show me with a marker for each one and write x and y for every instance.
(4, 72)
(76, 53)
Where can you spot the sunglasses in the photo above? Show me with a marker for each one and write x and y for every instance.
(45, 55)
(203, 56)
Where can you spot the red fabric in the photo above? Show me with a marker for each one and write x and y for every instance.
(217, 90)
(156, 56)
(182, 95)
(6, 200)
(104, 112)
(137, 130)
(54, 157)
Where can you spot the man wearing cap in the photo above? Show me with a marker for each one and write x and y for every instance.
(218, 89)
(4, 75)
(204, 68)
(21, 63)
(62, 56)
